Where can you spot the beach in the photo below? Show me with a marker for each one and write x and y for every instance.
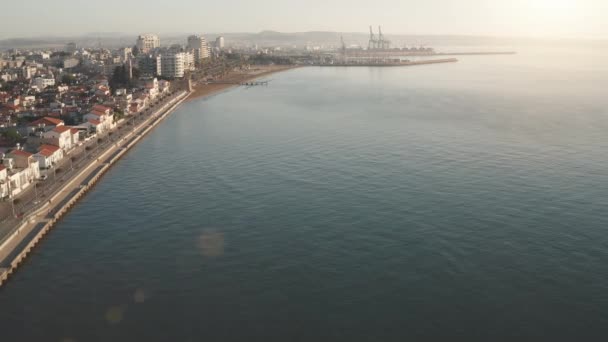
(258, 71)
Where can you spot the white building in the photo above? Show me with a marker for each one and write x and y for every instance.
(173, 64)
(23, 170)
(100, 119)
(198, 44)
(48, 156)
(147, 42)
(43, 82)
(60, 136)
(220, 43)
(190, 61)
(4, 191)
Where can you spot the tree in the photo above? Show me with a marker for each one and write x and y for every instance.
(118, 114)
(119, 78)
(135, 51)
(11, 135)
(68, 80)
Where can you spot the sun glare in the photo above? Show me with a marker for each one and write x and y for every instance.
(554, 7)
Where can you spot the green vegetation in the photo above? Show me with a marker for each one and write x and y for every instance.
(11, 135)
(60, 54)
(120, 78)
(118, 114)
(68, 80)
(267, 60)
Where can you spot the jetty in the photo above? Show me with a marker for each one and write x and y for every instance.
(385, 63)
(247, 83)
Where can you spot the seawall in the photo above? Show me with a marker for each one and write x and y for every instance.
(20, 243)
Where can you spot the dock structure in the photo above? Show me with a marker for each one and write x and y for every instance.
(247, 84)
(386, 63)
(16, 247)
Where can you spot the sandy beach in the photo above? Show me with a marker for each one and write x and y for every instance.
(202, 89)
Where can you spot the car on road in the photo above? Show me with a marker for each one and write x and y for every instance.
(43, 177)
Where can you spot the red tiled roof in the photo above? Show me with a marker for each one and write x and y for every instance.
(49, 147)
(100, 108)
(21, 153)
(61, 129)
(2, 167)
(47, 150)
(47, 121)
(73, 130)
(98, 113)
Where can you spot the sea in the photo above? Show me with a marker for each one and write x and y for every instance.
(464, 201)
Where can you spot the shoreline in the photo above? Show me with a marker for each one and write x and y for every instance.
(29, 233)
(204, 90)
(16, 247)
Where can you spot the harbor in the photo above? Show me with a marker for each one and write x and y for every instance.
(386, 63)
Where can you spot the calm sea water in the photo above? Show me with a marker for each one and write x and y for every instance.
(463, 201)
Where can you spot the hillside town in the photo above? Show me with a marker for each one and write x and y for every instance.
(51, 102)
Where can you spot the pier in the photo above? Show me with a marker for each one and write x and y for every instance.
(247, 84)
(384, 63)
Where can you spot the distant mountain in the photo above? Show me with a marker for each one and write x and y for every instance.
(274, 38)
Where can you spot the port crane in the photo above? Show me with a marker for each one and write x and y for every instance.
(373, 42)
(377, 43)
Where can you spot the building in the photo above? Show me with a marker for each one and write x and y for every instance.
(220, 43)
(147, 42)
(71, 47)
(190, 61)
(69, 63)
(48, 156)
(173, 64)
(43, 82)
(100, 119)
(28, 71)
(149, 65)
(4, 190)
(60, 136)
(198, 45)
(46, 122)
(23, 170)
(152, 88)
(125, 54)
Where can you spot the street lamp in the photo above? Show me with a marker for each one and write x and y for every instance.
(13, 206)
(10, 193)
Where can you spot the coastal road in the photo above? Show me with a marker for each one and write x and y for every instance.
(12, 212)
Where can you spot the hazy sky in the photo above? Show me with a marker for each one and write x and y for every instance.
(559, 18)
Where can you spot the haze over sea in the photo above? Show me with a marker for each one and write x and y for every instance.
(463, 201)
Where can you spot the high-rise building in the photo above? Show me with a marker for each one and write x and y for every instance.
(147, 42)
(190, 62)
(173, 64)
(198, 44)
(219, 42)
(71, 47)
(125, 53)
(149, 65)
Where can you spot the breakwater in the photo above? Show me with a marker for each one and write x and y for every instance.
(390, 64)
(24, 238)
